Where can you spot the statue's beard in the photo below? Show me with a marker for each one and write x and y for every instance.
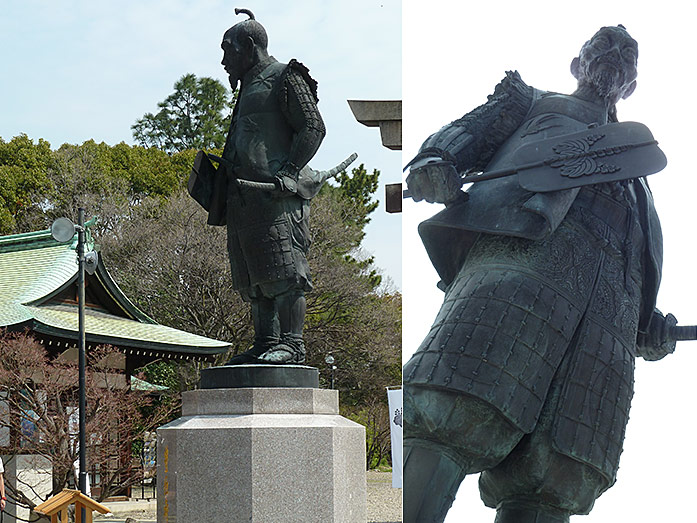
(608, 82)
(234, 80)
(605, 83)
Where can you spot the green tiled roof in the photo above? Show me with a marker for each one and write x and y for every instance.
(34, 267)
(28, 274)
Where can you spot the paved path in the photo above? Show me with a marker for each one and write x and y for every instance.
(384, 504)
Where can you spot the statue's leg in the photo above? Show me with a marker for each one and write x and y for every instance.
(266, 331)
(431, 480)
(446, 436)
(291, 307)
(536, 483)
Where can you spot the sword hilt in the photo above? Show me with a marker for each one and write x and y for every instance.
(331, 173)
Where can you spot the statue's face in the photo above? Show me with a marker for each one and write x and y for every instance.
(609, 62)
(236, 60)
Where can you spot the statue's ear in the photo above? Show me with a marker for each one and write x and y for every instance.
(629, 90)
(575, 65)
(248, 44)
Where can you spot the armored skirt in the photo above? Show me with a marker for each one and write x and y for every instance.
(268, 241)
(524, 315)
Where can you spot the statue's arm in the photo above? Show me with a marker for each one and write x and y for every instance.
(468, 143)
(656, 342)
(434, 173)
(299, 104)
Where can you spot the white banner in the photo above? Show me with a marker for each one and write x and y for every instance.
(394, 400)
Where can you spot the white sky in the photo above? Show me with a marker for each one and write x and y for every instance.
(77, 69)
(453, 57)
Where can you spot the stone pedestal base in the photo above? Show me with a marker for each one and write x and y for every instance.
(264, 455)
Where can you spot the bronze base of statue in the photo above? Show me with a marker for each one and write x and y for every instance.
(259, 375)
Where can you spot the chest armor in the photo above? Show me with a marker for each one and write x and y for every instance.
(551, 115)
(501, 206)
(260, 137)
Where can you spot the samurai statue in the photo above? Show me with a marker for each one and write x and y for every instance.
(262, 187)
(527, 372)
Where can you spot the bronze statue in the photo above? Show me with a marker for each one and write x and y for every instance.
(262, 187)
(527, 372)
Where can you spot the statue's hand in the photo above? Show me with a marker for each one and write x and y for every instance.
(434, 180)
(286, 184)
(656, 343)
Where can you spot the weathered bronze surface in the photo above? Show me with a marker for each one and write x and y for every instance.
(256, 375)
(607, 153)
(527, 372)
(261, 189)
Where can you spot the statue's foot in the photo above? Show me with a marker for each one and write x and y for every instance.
(283, 354)
(252, 354)
(243, 358)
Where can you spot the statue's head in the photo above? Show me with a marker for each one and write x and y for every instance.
(608, 63)
(244, 45)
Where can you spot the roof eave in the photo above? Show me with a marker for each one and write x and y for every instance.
(100, 339)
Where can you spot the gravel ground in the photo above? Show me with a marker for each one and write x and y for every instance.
(384, 504)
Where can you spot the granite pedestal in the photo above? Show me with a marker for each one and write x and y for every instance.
(263, 454)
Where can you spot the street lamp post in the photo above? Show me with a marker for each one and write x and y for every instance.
(81, 343)
(329, 360)
(63, 230)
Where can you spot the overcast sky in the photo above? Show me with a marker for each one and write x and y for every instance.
(83, 69)
(453, 57)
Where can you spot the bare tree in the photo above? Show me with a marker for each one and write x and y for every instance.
(42, 398)
(175, 267)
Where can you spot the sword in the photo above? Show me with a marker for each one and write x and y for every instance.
(606, 153)
(683, 332)
(307, 190)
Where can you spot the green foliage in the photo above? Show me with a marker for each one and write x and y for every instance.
(195, 116)
(357, 191)
(38, 185)
(24, 168)
(135, 171)
(166, 373)
(360, 188)
(162, 373)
